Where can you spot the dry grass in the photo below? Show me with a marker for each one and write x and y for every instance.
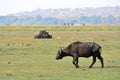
(24, 58)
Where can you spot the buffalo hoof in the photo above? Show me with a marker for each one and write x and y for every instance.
(90, 66)
(77, 66)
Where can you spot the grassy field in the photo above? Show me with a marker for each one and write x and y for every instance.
(24, 58)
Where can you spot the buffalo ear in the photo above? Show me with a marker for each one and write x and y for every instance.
(61, 48)
(60, 51)
(63, 51)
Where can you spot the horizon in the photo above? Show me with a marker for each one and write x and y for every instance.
(16, 6)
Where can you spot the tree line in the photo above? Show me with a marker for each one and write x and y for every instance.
(38, 20)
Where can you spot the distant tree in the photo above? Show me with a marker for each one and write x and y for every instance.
(64, 24)
(68, 24)
(72, 24)
(110, 19)
(83, 24)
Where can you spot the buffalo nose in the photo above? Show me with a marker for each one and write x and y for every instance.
(56, 58)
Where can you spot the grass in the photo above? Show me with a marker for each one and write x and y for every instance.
(24, 58)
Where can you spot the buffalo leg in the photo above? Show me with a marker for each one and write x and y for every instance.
(75, 61)
(77, 66)
(94, 60)
(101, 59)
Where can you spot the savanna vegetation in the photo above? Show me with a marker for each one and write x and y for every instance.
(24, 58)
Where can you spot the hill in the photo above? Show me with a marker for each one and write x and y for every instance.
(66, 16)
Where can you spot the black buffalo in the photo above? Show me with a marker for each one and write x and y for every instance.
(43, 34)
(81, 49)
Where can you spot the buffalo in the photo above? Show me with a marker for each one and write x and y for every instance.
(43, 34)
(81, 49)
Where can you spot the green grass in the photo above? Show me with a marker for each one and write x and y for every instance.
(24, 58)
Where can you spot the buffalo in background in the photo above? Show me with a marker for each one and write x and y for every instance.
(43, 34)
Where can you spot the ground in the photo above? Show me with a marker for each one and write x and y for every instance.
(24, 58)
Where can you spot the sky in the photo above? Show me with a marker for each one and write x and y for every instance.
(16, 6)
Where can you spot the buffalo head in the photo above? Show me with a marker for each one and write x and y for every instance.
(60, 54)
